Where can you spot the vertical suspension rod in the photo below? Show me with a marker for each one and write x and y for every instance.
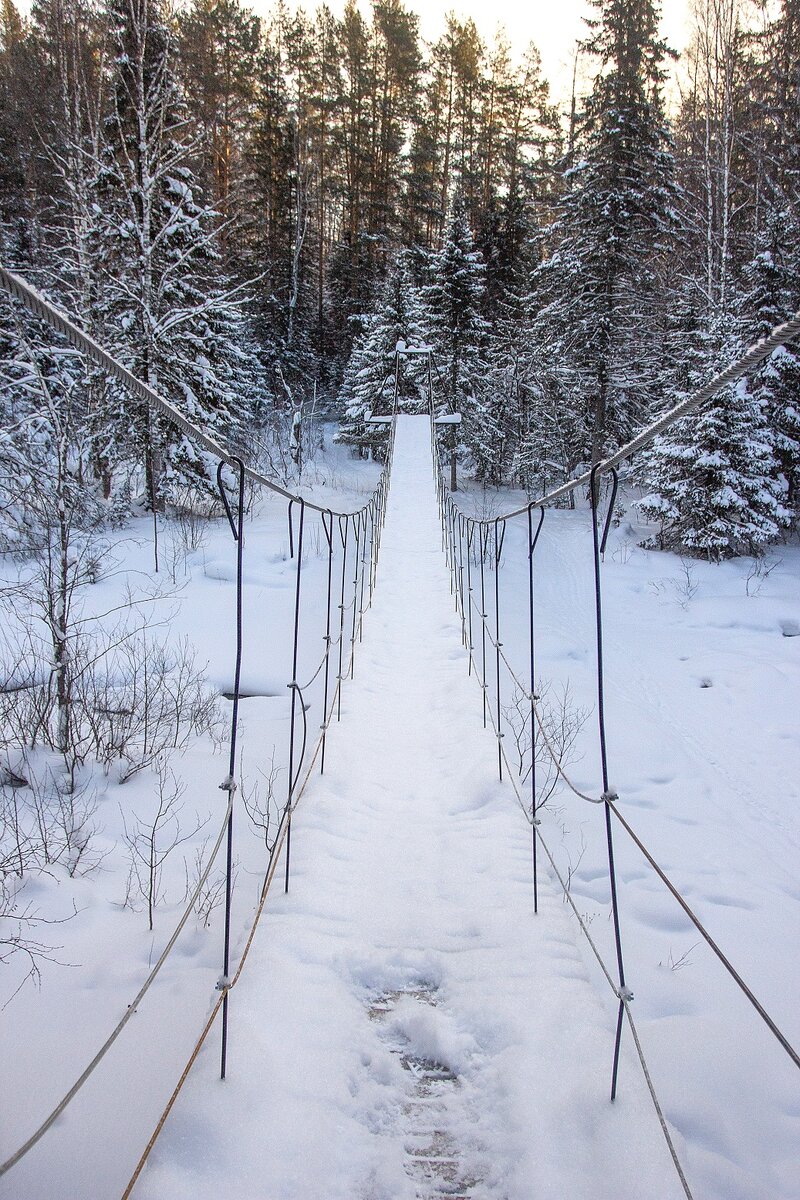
(237, 529)
(344, 538)
(470, 542)
(356, 564)
(532, 540)
(328, 528)
(483, 541)
(294, 690)
(499, 538)
(598, 547)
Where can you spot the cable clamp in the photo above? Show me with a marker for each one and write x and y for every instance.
(228, 784)
(223, 983)
(537, 820)
(610, 796)
(625, 994)
(500, 735)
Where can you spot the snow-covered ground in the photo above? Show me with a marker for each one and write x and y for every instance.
(702, 670)
(407, 937)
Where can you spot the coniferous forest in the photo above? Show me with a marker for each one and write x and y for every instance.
(556, 773)
(250, 212)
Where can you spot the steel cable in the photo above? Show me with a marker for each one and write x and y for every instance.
(131, 1009)
(701, 929)
(621, 995)
(36, 303)
(781, 334)
(533, 698)
(268, 879)
(270, 873)
(612, 806)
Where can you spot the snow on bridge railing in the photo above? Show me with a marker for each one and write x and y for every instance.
(351, 544)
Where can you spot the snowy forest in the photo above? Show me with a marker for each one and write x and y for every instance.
(258, 217)
(249, 213)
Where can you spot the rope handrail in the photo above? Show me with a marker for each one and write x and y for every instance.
(620, 995)
(67, 1099)
(612, 803)
(533, 700)
(781, 334)
(36, 303)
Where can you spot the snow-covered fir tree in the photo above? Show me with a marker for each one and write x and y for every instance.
(511, 384)
(170, 316)
(599, 287)
(397, 314)
(455, 298)
(711, 481)
(774, 296)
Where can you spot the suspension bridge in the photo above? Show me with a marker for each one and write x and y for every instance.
(418, 930)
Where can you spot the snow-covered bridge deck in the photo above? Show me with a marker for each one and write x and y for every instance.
(408, 940)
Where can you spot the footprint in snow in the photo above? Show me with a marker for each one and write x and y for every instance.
(437, 1110)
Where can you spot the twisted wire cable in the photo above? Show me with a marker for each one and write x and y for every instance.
(36, 303)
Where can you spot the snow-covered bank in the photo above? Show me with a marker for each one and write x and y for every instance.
(702, 674)
(408, 928)
(99, 957)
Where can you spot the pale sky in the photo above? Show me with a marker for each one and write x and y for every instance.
(553, 25)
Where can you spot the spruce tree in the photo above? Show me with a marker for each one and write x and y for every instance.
(600, 284)
(367, 388)
(711, 481)
(774, 296)
(455, 298)
(164, 307)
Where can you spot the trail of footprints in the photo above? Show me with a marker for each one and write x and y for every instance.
(433, 1159)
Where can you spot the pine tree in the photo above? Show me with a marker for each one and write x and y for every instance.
(13, 205)
(219, 42)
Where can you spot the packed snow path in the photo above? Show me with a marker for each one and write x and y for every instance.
(406, 1027)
